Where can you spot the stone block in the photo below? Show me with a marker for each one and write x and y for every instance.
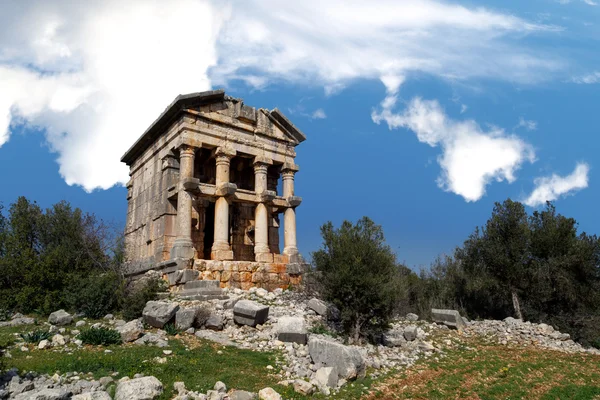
(247, 312)
(410, 333)
(214, 322)
(188, 275)
(318, 306)
(131, 331)
(268, 394)
(264, 257)
(242, 395)
(327, 377)
(185, 317)
(221, 255)
(449, 318)
(158, 313)
(347, 360)
(291, 329)
(295, 269)
(393, 339)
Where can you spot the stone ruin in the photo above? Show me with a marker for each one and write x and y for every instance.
(212, 180)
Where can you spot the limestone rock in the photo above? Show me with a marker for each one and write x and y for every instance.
(58, 340)
(184, 318)
(146, 388)
(43, 344)
(449, 318)
(268, 394)
(327, 377)
(45, 394)
(214, 322)
(410, 333)
(291, 329)
(131, 331)
(393, 338)
(242, 395)
(220, 387)
(247, 312)
(60, 317)
(412, 317)
(158, 313)
(303, 387)
(101, 395)
(318, 306)
(348, 360)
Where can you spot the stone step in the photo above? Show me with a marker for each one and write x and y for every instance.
(201, 291)
(202, 284)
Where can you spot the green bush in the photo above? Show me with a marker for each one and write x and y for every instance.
(171, 329)
(360, 276)
(98, 294)
(36, 336)
(100, 336)
(136, 298)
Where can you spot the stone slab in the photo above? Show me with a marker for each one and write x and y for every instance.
(247, 312)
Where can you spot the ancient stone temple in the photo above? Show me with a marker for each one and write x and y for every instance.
(212, 183)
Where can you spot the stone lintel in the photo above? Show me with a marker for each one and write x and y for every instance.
(226, 189)
(294, 201)
(225, 150)
(262, 160)
(188, 139)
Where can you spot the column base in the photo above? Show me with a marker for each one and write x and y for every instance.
(264, 257)
(293, 254)
(183, 248)
(222, 255)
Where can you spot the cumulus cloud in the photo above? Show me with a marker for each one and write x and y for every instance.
(549, 188)
(471, 156)
(94, 75)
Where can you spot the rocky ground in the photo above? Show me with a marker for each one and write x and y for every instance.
(300, 329)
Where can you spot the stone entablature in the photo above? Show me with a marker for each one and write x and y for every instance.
(204, 186)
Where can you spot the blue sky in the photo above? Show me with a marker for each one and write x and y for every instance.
(419, 114)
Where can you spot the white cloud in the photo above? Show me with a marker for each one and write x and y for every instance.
(96, 74)
(319, 114)
(549, 188)
(588, 79)
(527, 124)
(463, 108)
(471, 157)
(590, 2)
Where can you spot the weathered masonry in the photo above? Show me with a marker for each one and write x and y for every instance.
(212, 181)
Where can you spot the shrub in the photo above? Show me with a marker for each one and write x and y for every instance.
(36, 336)
(98, 294)
(360, 276)
(137, 297)
(171, 329)
(202, 316)
(100, 336)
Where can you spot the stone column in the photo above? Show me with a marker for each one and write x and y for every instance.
(289, 217)
(262, 252)
(221, 249)
(183, 247)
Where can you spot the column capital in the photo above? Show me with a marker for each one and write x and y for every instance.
(186, 150)
(290, 167)
(262, 160)
(224, 152)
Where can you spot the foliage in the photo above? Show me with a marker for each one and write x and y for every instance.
(36, 336)
(171, 329)
(42, 253)
(100, 336)
(536, 266)
(97, 294)
(139, 294)
(359, 275)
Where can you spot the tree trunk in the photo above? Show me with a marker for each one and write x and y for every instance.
(516, 306)
(357, 329)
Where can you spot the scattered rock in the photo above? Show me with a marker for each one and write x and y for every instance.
(450, 318)
(100, 395)
(412, 317)
(60, 317)
(348, 360)
(291, 329)
(268, 394)
(242, 395)
(158, 313)
(58, 340)
(247, 312)
(131, 331)
(214, 322)
(303, 387)
(43, 344)
(410, 333)
(318, 306)
(326, 377)
(185, 317)
(146, 388)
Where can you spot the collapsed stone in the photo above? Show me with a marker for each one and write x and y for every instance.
(185, 317)
(291, 329)
(247, 312)
(318, 306)
(348, 360)
(158, 313)
(449, 318)
(268, 394)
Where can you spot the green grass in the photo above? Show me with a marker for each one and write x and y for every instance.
(497, 372)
